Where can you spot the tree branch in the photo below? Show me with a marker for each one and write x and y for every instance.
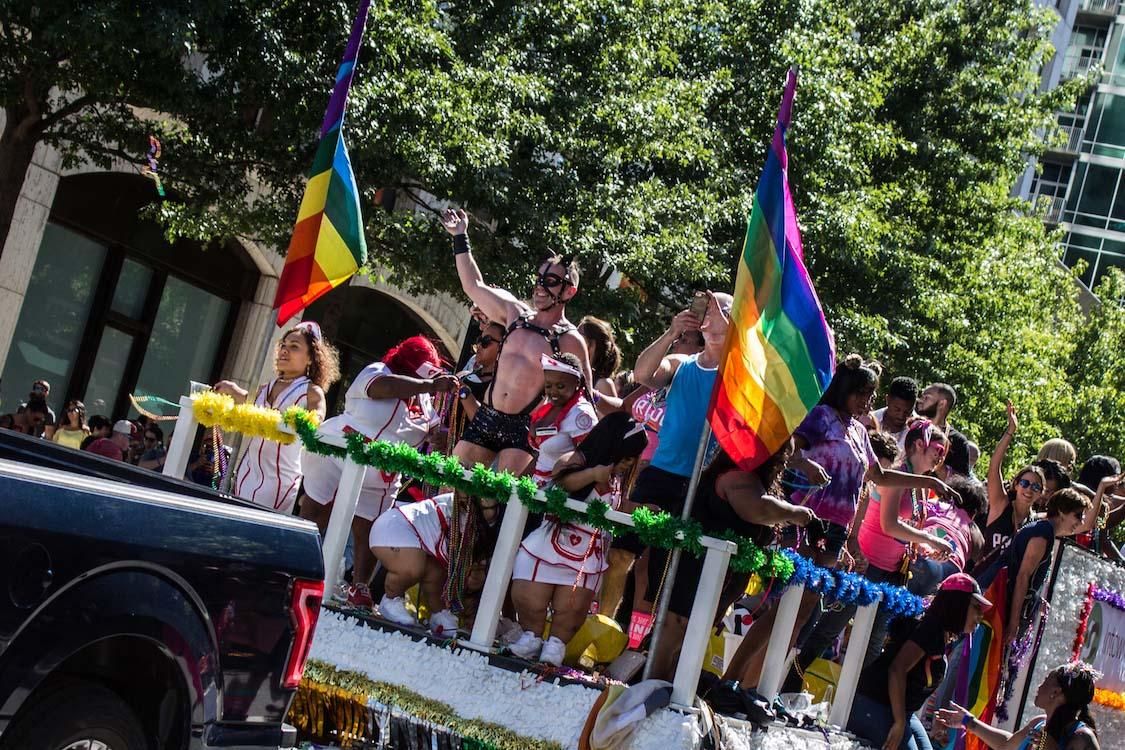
(72, 107)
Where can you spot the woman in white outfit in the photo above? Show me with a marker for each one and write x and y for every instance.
(388, 400)
(560, 564)
(306, 365)
(564, 419)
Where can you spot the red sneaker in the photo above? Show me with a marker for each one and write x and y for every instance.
(359, 597)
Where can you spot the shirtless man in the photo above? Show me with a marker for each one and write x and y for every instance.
(500, 427)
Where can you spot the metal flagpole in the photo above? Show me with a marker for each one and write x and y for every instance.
(674, 561)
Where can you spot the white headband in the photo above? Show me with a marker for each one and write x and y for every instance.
(554, 365)
(312, 327)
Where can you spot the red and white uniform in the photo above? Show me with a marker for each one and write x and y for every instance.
(561, 435)
(566, 554)
(270, 472)
(392, 419)
(422, 525)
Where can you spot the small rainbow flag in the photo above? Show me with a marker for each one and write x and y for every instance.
(779, 355)
(328, 246)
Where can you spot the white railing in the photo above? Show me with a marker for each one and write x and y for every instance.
(1100, 6)
(698, 633)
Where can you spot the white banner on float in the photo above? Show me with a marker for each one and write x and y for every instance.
(1105, 642)
(1104, 646)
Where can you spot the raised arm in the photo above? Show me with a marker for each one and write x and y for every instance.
(956, 717)
(997, 497)
(401, 386)
(1099, 497)
(655, 370)
(498, 304)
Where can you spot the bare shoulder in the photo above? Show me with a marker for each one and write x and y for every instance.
(1083, 739)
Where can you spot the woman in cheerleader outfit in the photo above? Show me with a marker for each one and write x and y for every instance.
(560, 564)
(390, 401)
(566, 417)
(306, 366)
(412, 541)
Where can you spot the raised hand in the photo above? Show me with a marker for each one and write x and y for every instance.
(1013, 422)
(455, 221)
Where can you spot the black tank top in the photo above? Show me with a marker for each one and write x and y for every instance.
(1000, 532)
(716, 515)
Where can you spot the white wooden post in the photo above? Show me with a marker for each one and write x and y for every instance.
(179, 450)
(862, 625)
(499, 574)
(773, 669)
(340, 522)
(700, 624)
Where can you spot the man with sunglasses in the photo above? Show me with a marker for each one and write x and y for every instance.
(499, 429)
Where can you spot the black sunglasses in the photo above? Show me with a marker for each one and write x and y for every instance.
(551, 281)
(1024, 483)
(486, 340)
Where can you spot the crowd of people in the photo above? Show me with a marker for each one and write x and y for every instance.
(890, 492)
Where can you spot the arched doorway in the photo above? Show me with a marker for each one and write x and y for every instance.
(113, 308)
(362, 324)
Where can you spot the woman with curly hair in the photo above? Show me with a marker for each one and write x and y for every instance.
(1066, 724)
(306, 366)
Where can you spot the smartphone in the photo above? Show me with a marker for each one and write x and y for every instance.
(699, 305)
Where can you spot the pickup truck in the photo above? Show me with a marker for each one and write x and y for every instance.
(141, 612)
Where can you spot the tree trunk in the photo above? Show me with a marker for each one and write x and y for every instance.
(16, 149)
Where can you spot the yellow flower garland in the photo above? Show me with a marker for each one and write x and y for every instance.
(1109, 699)
(213, 408)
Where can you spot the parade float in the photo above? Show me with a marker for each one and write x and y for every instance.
(370, 683)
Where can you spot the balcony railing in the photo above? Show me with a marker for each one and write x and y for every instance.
(1052, 207)
(1100, 7)
(1070, 140)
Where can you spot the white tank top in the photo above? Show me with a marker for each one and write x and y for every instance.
(270, 472)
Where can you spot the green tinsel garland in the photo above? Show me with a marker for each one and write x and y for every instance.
(309, 707)
(654, 529)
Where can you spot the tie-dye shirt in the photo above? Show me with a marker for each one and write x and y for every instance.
(845, 455)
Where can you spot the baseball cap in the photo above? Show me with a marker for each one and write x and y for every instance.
(125, 427)
(964, 582)
(104, 447)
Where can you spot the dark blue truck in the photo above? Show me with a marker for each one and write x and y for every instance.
(139, 612)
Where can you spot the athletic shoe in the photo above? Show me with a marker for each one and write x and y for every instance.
(394, 610)
(553, 651)
(508, 631)
(528, 646)
(444, 624)
(726, 699)
(340, 595)
(359, 597)
(757, 708)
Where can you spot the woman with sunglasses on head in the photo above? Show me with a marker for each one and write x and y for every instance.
(499, 429)
(475, 380)
(389, 400)
(306, 365)
(71, 429)
(1009, 508)
(1064, 695)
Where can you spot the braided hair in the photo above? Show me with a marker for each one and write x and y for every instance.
(1076, 680)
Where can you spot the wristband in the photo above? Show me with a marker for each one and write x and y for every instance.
(967, 720)
(460, 244)
(464, 392)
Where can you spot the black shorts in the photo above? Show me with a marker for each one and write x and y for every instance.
(654, 487)
(495, 430)
(688, 576)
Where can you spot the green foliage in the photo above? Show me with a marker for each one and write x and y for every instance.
(629, 132)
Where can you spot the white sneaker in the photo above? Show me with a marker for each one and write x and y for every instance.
(508, 631)
(528, 646)
(553, 651)
(444, 624)
(394, 610)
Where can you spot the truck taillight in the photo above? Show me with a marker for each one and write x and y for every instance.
(304, 609)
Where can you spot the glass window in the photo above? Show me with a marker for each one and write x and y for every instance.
(1097, 190)
(132, 288)
(109, 367)
(53, 317)
(184, 341)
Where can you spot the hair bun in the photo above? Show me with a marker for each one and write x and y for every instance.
(853, 362)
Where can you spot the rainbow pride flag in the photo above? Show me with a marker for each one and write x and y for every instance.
(327, 246)
(779, 355)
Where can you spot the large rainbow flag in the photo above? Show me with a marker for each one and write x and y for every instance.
(779, 355)
(328, 244)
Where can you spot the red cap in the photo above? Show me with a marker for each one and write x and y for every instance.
(964, 582)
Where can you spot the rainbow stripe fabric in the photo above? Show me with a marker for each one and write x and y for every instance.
(779, 355)
(328, 245)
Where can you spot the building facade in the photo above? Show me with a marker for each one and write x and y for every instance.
(96, 301)
(1079, 181)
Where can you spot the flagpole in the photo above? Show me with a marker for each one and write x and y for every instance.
(674, 560)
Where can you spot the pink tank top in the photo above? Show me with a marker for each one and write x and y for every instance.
(649, 410)
(882, 550)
